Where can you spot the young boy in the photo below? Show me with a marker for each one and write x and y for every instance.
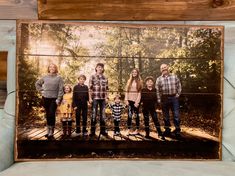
(80, 100)
(117, 109)
(149, 99)
(98, 87)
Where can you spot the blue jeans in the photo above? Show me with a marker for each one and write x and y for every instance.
(95, 104)
(171, 102)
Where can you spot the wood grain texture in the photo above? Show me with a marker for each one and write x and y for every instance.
(3, 63)
(8, 34)
(18, 9)
(137, 9)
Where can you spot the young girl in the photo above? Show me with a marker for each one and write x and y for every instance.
(132, 98)
(66, 110)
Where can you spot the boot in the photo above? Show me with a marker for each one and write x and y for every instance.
(51, 131)
(48, 131)
(69, 130)
(64, 131)
(64, 127)
(160, 134)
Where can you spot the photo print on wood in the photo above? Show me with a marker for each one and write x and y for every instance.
(105, 90)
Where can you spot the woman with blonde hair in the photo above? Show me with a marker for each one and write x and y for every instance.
(132, 98)
(51, 88)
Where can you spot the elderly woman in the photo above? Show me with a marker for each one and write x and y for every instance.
(51, 88)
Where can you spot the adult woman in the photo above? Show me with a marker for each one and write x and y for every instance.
(132, 98)
(51, 88)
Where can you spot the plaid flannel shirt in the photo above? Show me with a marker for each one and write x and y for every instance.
(98, 84)
(168, 85)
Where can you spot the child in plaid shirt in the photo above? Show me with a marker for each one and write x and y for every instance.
(117, 107)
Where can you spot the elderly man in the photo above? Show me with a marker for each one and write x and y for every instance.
(168, 88)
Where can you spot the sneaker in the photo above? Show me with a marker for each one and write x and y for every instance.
(147, 136)
(116, 133)
(92, 134)
(104, 133)
(167, 132)
(178, 135)
(128, 132)
(85, 134)
(135, 132)
(78, 131)
(162, 137)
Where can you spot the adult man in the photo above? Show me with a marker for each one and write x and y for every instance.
(98, 86)
(168, 88)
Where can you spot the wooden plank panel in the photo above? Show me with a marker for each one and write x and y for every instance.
(137, 9)
(3, 63)
(8, 34)
(3, 77)
(18, 9)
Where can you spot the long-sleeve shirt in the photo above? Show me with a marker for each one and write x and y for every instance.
(80, 95)
(133, 94)
(148, 97)
(98, 84)
(51, 86)
(168, 85)
(117, 109)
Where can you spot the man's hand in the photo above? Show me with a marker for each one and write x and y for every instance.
(177, 95)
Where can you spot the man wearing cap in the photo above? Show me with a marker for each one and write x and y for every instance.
(168, 88)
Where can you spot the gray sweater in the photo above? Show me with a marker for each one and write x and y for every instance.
(51, 86)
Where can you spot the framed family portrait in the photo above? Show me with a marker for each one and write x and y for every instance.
(118, 91)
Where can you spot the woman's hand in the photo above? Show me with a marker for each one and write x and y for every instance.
(90, 101)
(136, 105)
(127, 102)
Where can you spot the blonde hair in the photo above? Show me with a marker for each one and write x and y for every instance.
(56, 68)
(139, 83)
(70, 87)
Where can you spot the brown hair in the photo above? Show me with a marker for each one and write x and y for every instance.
(82, 76)
(138, 80)
(101, 65)
(148, 78)
(56, 68)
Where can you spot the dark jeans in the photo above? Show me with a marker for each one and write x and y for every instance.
(50, 108)
(171, 102)
(81, 109)
(131, 110)
(116, 126)
(95, 104)
(153, 113)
